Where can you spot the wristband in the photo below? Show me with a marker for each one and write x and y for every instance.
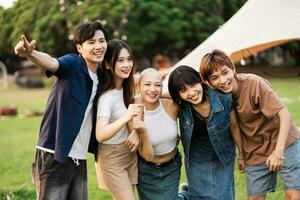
(278, 157)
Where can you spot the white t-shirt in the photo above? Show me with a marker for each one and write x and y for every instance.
(81, 144)
(111, 105)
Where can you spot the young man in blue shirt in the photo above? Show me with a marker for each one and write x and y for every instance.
(59, 170)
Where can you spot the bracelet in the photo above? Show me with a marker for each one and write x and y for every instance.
(278, 157)
(241, 158)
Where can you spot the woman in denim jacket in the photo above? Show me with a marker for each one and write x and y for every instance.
(206, 120)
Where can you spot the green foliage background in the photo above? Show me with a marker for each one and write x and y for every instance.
(169, 27)
(151, 26)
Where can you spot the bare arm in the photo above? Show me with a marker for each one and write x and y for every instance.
(170, 107)
(284, 130)
(26, 49)
(133, 140)
(236, 133)
(166, 94)
(275, 160)
(237, 137)
(106, 130)
(145, 147)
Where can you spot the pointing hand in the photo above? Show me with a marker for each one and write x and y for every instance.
(24, 48)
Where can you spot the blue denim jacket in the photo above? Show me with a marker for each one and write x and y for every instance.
(218, 126)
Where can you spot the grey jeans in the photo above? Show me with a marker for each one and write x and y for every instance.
(59, 181)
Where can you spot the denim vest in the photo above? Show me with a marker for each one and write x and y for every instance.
(218, 126)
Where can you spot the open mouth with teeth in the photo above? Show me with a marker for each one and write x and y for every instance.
(152, 96)
(195, 97)
(98, 53)
(226, 86)
(126, 71)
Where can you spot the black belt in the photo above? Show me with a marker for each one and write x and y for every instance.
(158, 165)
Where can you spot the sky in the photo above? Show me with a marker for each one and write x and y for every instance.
(6, 3)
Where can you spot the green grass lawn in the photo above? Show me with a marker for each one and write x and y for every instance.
(18, 137)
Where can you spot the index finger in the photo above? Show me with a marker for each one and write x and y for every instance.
(130, 145)
(24, 40)
(126, 141)
(133, 148)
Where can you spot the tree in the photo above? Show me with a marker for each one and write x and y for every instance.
(169, 27)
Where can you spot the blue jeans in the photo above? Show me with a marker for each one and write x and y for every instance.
(261, 181)
(157, 182)
(208, 178)
(54, 180)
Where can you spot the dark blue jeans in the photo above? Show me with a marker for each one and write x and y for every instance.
(157, 182)
(54, 180)
(208, 178)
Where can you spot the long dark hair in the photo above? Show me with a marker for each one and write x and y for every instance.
(114, 48)
(179, 78)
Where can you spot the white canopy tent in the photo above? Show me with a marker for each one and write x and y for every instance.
(258, 25)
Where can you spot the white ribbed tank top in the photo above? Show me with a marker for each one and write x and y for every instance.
(162, 130)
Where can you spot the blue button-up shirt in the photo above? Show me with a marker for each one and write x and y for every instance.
(66, 106)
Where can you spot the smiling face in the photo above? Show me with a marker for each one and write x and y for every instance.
(185, 85)
(192, 93)
(150, 86)
(218, 71)
(123, 66)
(222, 78)
(93, 49)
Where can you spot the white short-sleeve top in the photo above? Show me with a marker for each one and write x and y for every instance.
(111, 105)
